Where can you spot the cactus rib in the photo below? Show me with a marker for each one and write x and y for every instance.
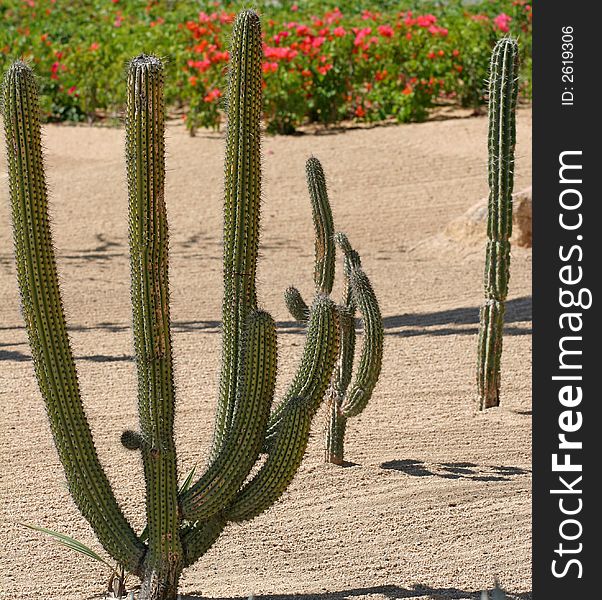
(45, 322)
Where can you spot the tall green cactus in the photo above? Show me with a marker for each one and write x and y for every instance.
(346, 399)
(181, 526)
(503, 92)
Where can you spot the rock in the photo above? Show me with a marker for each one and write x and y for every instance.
(471, 227)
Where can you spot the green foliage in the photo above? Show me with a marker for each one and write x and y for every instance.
(325, 62)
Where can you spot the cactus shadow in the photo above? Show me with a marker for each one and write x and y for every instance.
(518, 310)
(14, 355)
(455, 470)
(392, 592)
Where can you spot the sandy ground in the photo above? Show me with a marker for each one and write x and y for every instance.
(437, 502)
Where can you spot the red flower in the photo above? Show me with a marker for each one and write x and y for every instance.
(269, 67)
(360, 112)
(294, 7)
(339, 31)
(323, 69)
(192, 80)
(386, 30)
(94, 46)
(380, 75)
(333, 17)
(212, 95)
(426, 20)
(360, 35)
(502, 22)
(279, 36)
(407, 90)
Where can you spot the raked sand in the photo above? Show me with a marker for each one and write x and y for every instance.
(437, 503)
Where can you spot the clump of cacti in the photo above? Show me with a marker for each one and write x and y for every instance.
(347, 396)
(503, 92)
(181, 524)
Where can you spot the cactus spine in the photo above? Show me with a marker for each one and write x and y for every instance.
(181, 526)
(503, 92)
(345, 399)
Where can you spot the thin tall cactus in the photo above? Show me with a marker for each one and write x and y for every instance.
(346, 398)
(181, 525)
(503, 92)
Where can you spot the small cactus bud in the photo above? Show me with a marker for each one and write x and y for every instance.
(131, 440)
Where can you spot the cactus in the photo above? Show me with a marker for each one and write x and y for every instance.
(181, 524)
(503, 91)
(345, 399)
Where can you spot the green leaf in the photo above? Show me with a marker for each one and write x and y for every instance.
(71, 543)
(187, 482)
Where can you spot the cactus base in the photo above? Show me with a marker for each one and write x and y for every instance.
(160, 583)
(335, 433)
(490, 352)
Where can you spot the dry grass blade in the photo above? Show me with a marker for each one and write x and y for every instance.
(72, 544)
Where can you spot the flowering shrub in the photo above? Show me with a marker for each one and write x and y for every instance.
(321, 65)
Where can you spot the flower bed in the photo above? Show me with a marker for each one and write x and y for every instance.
(321, 65)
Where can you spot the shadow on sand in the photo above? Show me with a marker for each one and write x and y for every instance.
(457, 470)
(391, 592)
(517, 310)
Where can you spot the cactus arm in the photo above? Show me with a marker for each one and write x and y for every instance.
(226, 474)
(371, 354)
(296, 305)
(325, 250)
(241, 208)
(281, 465)
(148, 238)
(316, 366)
(199, 537)
(46, 326)
(503, 92)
